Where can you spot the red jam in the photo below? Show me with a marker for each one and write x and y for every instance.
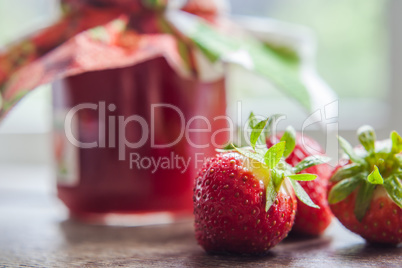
(98, 183)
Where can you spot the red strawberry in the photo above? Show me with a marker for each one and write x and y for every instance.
(229, 208)
(366, 190)
(310, 221)
(243, 199)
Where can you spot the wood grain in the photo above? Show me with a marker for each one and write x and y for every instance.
(36, 232)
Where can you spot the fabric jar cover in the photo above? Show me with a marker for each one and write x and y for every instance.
(103, 34)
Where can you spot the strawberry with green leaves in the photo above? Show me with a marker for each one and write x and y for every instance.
(366, 190)
(244, 198)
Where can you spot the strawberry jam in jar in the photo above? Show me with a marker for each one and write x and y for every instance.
(128, 141)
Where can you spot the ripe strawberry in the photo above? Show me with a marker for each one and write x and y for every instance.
(366, 190)
(244, 199)
(310, 221)
(230, 212)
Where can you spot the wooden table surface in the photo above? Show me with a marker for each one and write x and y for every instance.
(35, 232)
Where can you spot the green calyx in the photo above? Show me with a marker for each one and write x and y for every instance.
(271, 161)
(378, 165)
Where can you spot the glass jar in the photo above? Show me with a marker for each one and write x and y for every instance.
(129, 141)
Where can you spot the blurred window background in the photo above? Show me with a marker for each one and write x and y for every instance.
(355, 55)
(351, 35)
(352, 56)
